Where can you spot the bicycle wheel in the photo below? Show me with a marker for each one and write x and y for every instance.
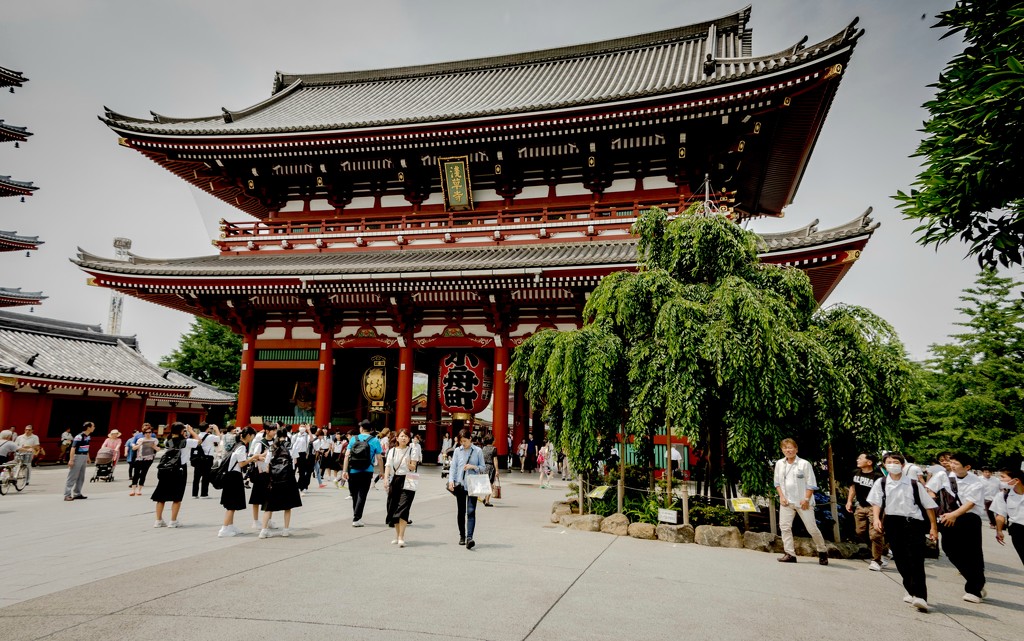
(3, 481)
(20, 477)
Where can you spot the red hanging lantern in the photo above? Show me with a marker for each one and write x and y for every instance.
(465, 384)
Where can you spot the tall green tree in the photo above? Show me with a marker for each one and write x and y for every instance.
(208, 352)
(972, 389)
(728, 351)
(973, 151)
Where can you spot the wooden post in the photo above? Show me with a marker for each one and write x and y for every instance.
(668, 464)
(403, 404)
(499, 418)
(686, 502)
(246, 380)
(325, 380)
(832, 496)
(621, 485)
(773, 523)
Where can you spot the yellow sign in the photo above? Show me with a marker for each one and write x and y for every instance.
(458, 194)
(599, 492)
(742, 505)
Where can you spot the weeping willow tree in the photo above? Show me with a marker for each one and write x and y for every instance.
(733, 354)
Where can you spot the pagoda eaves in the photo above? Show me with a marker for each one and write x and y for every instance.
(11, 133)
(10, 187)
(11, 241)
(11, 78)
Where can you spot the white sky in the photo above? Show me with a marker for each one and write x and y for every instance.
(191, 57)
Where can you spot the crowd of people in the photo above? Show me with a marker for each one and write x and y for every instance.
(905, 509)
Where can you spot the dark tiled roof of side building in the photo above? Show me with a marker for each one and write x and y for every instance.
(201, 392)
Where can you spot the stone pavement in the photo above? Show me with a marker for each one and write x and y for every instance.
(97, 569)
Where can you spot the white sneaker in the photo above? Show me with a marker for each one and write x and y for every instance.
(394, 542)
(874, 566)
(885, 562)
(256, 525)
(971, 598)
(357, 524)
(174, 524)
(272, 525)
(160, 523)
(401, 543)
(286, 532)
(265, 534)
(226, 531)
(907, 598)
(920, 604)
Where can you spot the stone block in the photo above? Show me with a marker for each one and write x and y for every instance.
(617, 524)
(675, 533)
(560, 509)
(642, 531)
(566, 520)
(842, 550)
(762, 541)
(719, 536)
(587, 523)
(804, 546)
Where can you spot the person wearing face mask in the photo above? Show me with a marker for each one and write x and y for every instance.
(302, 458)
(902, 512)
(795, 484)
(961, 528)
(991, 484)
(1008, 506)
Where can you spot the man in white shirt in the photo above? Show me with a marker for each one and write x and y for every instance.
(28, 443)
(209, 437)
(795, 484)
(1008, 506)
(961, 528)
(302, 457)
(992, 484)
(902, 511)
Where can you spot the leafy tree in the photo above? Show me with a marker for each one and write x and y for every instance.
(974, 150)
(972, 390)
(209, 352)
(731, 353)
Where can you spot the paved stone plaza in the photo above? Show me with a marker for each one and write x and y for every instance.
(96, 569)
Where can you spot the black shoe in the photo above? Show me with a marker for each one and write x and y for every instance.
(822, 558)
(462, 540)
(80, 496)
(470, 544)
(787, 558)
(408, 522)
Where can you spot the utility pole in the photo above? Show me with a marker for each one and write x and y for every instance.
(121, 247)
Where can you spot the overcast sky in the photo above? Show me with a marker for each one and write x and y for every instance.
(192, 57)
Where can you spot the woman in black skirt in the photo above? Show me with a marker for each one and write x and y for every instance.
(233, 495)
(259, 474)
(170, 482)
(283, 491)
(400, 464)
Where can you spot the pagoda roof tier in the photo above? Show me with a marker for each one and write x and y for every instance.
(15, 297)
(9, 187)
(200, 393)
(590, 114)
(11, 78)
(11, 241)
(10, 133)
(179, 282)
(52, 353)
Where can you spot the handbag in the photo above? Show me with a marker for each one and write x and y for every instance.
(478, 485)
(412, 481)
(496, 491)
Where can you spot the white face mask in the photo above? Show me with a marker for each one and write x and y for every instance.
(894, 468)
(1004, 485)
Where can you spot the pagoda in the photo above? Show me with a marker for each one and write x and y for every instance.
(404, 219)
(10, 241)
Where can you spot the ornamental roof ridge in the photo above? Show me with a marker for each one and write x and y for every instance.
(15, 292)
(17, 183)
(201, 391)
(736, 20)
(9, 78)
(13, 235)
(21, 130)
(55, 326)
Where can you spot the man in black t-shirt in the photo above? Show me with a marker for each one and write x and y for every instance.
(863, 479)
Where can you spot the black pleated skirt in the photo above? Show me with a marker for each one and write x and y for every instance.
(232, 497)
(399, 500)
(170, 486)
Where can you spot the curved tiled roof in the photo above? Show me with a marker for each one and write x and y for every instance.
(10, 187)
(11, 132)
(49, 350)
(11, 241)
(11, 78)
(201, 392)
(810, 235)
(649, 65)
(14, 297)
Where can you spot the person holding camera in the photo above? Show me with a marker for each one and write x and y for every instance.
(172, 473)
(202, 463)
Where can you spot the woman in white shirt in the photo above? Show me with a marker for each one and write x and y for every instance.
(400, 471)
(171, 481)
(233, 495)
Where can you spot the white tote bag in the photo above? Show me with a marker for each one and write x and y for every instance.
(478, 485)
(412, 481)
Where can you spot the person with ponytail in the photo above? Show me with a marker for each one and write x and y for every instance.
(233, 495)
(172, 476)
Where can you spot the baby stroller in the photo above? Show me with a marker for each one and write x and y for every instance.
(104, 465)
(446, 462)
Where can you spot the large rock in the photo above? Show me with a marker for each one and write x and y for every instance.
(675, 533)
(804, 546)
(617, 524)
(762, 541)
(566, 520)
(642, 531)
(718, 536)
(842, 550)
(587, 523)
(560, 509)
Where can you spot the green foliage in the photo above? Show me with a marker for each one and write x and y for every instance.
(974, 147)
(971, 392)
(728, 352)
(642, 509)
(209, 352)
(707, 514)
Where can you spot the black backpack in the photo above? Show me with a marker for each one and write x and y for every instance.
(171, 459)
(281, 464)
(359, 455)
(946, 500)
(199, 456)
(220, 475)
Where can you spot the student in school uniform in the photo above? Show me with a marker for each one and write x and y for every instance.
(233, 495)
(260, 475)
(1008, 506)
(171, 481)
(902, 512)
(961, 528)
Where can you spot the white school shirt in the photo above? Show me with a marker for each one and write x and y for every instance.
(186, 451)
(259, 448)
(338, 447)
(972, 488)
(1012, 507)
(991, 487)
(209, 442)
(914, 471)
(300, 444)
(899, 497)
(237, 456)
(795, 479)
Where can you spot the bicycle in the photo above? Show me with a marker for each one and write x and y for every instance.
(14, 473)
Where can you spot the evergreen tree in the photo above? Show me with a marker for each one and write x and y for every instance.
(728, 351)
(209, 352)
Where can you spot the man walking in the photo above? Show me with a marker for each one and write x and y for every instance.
(362, 455)
(795, 484)
(28, 442)
(961, 528)
(864, 478)
(78, 459)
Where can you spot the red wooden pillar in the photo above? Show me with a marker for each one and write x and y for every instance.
(433, 440)
(325, 379)
(6, 406)
(521, 413)
(499, 414)
(403, 405)
(246, 381)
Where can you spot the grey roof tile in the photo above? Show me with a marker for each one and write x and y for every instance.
(201, 392)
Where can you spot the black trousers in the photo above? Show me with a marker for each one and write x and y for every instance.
(962, 544)
(1016, 531)
(906, 540)
(201, 478)
(305, 467)
(465, 512)
(359, 486)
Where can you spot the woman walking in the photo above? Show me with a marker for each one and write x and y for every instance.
(467, 459)
(233, 495)
(145, 451)
(542, 465)
(172, 475)
(283, 490)
(402, 460)
(490, 463)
